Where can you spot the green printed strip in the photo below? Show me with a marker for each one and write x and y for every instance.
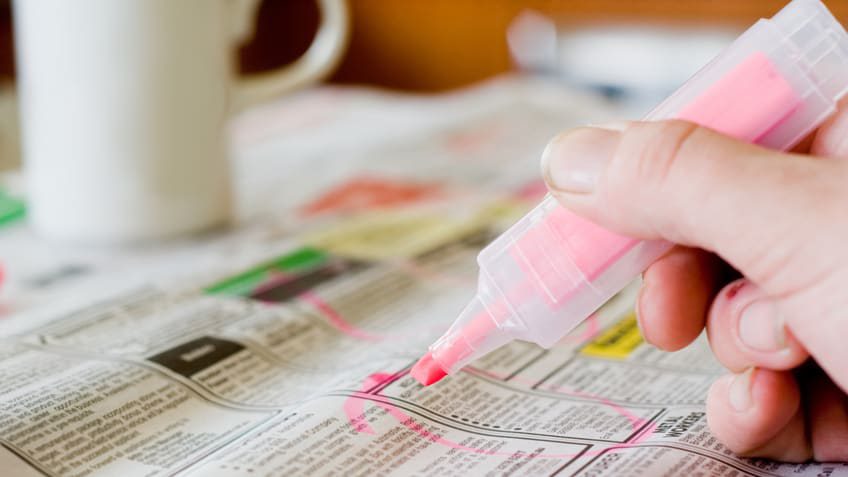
(11, 209)
(245, 283)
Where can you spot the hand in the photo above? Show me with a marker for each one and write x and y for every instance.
(781, 220)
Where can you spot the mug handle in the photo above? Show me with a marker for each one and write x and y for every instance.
(315, 64)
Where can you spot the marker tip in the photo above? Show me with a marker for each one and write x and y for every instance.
(426, 371)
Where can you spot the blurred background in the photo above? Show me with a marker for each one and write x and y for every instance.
(432, 45)
(619, 47)
(429, 96)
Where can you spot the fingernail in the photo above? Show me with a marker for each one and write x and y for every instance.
(617, 126)
(574, 161)
(761, 327)
(739, 393)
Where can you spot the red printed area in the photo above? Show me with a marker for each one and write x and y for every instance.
(367, 193)
(533, 191)
(471, 141)
(355, 406)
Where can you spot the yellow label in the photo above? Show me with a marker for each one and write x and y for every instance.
(617, 342)
(388, 235)
(505, 211)
(408, 232)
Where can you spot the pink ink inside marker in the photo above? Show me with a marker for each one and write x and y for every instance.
(552, 269)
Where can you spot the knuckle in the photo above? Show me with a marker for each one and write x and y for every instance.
(652, 150)
(643, 169)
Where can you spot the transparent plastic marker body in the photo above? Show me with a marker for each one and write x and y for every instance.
(774, 85)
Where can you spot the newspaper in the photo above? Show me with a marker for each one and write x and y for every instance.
(284, 348)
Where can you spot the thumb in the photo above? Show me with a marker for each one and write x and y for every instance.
(676, 181)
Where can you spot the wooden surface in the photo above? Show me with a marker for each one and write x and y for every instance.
(427, 45)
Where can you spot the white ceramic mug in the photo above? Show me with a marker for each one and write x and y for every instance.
(123, 107)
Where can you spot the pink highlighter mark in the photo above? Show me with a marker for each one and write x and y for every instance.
(336, 320)
(273, 279)
(354, 408)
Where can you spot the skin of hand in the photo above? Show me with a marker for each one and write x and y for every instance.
(778, 220)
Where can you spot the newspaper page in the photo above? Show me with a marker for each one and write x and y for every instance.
(286, 351)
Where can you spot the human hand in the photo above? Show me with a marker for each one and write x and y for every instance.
(781, 220)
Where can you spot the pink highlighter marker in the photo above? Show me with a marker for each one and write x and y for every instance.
(774, 85)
